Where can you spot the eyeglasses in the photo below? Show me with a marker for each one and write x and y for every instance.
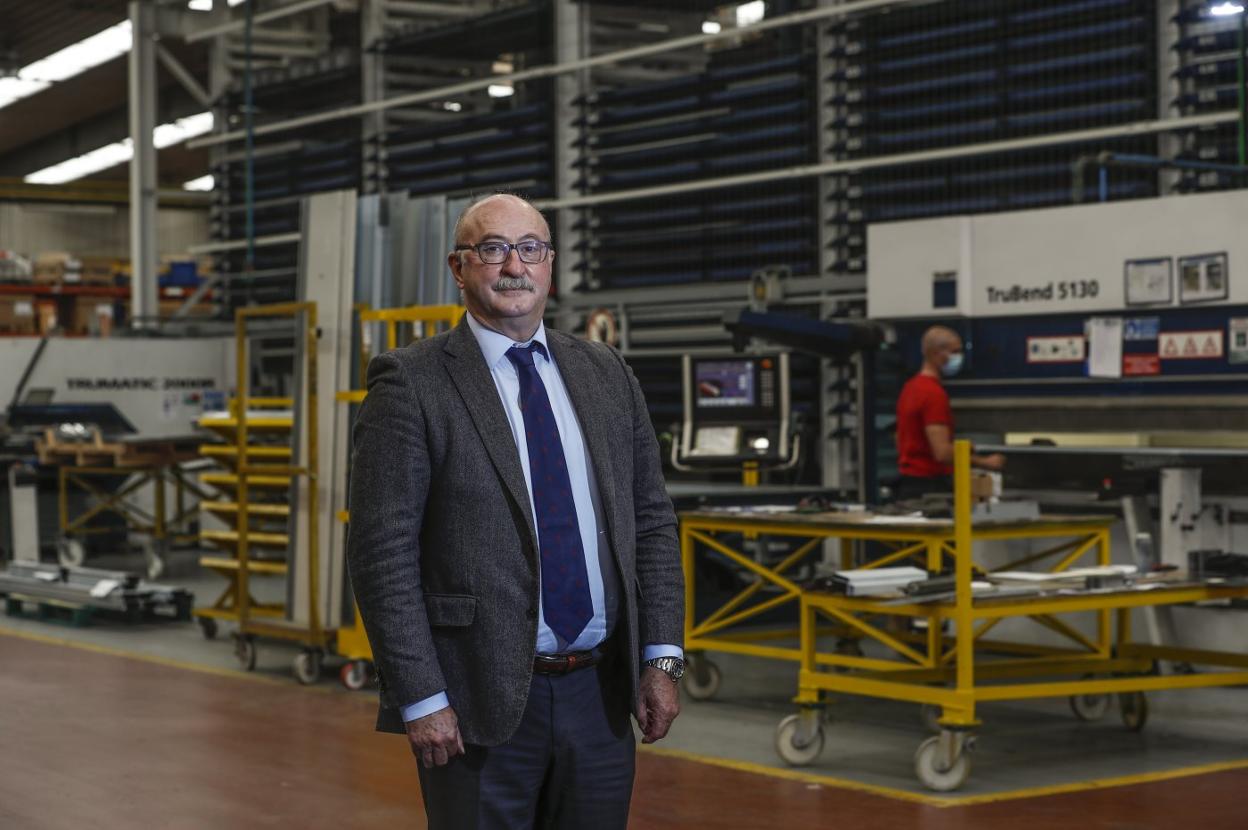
(494, 252)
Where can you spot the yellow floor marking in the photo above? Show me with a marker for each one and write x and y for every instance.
(711, 760)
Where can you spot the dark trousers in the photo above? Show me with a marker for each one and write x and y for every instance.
(569, 765)
(912, 487)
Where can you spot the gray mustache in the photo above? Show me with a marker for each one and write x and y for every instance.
(514, 284)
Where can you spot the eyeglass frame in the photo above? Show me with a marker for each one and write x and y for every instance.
(546, 244)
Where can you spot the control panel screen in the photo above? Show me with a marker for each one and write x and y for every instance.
(726, 383)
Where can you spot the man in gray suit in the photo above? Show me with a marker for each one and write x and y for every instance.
(513, 550)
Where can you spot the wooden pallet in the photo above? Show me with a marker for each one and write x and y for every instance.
(94, 451)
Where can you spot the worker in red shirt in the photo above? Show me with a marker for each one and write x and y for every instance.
(925, 421)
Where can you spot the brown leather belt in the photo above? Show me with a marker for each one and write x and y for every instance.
(565, 663)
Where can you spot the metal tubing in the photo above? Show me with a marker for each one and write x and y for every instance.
(184, 77)
(964, 612)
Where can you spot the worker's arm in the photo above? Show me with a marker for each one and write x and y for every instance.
(941, 442)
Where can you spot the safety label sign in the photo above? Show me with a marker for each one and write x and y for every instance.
(1055, 349)
(1190, 345)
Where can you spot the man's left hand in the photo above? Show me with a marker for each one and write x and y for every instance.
(658, 704)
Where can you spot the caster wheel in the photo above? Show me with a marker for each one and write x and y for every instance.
(930, 715)
(307, 667)
(354, 675)
(934, 770)
(71, 553)
(1089, 707)
(702, 679)
(1134, 709)
(790, 747)
(208, 627)
(245, 651)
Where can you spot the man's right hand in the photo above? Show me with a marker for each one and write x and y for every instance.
(435, 738)
(994, 462)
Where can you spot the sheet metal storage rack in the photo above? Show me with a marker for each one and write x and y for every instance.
(949, 74)
(953, 672)
(284, 170)
(277, 469)
(750, 110)
(421, 322)
(474, 143)
(1208, 77)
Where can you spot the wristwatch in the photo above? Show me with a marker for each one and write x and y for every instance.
(673, 667)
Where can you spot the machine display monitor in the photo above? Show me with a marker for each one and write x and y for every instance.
(726, 383)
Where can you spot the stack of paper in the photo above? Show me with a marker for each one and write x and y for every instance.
(875, 581)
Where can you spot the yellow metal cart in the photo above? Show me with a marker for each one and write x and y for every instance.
(950, 673)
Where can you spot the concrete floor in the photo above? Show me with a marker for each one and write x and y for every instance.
(1023, 747)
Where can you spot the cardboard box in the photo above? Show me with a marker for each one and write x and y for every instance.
(54, 267)
(17, 314)
(91, 315)
(46, 314)
(98, 270)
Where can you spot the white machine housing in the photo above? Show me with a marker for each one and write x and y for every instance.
(1054, 260)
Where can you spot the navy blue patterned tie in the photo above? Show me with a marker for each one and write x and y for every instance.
(566, 602)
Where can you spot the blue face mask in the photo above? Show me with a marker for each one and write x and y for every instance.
(953, 365)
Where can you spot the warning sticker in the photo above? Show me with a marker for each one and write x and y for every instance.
(1055, 349)
(1141, 364)
(1190, 345)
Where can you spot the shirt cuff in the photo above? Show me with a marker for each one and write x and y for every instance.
(661, 650)
(421, 708)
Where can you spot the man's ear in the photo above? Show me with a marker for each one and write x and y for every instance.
(455, 263)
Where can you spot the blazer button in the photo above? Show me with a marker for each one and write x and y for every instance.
(531, 613)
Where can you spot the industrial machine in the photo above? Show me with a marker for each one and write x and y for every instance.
(1105, 353)
(736, 412)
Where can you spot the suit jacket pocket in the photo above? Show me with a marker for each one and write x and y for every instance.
(450, 609)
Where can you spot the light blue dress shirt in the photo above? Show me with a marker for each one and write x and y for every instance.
(494, 347)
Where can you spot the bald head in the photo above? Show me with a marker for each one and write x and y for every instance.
(940, 339)
(467, 226)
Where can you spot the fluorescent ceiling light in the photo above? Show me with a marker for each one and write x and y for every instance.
(750, 13)
(1226, 9)
(710, 27)
(501, 90)
(202, 183)
(452, 106)
(166, 135)
(206, 5)
(100, 48)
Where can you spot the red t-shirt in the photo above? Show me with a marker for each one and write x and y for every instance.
(923, 401)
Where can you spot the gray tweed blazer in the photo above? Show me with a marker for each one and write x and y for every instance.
(442, 550)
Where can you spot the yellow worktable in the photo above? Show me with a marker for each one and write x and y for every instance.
(947, 663)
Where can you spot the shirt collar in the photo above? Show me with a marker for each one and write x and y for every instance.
(494, 345)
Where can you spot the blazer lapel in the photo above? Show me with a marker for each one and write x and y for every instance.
(476, 387)
(583, 385)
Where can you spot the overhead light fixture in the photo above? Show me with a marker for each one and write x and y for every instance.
(1226, 9)
(750, 13)
(206, 5)
(500, 90)
(452, 106)
(120, 152)
(99, 48)
(710, 27)
(202, 183)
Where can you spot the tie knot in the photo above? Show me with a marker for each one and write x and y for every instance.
(522, 356)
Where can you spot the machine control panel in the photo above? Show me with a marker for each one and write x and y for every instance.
(736, 408)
